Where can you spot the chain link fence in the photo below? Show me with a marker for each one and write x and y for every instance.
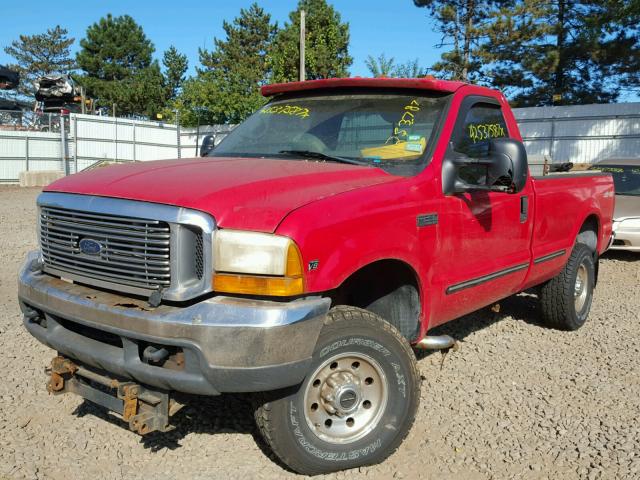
(19, 121)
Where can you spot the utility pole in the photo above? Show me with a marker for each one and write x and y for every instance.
(302, 41)
(178, 146)
(83, 99)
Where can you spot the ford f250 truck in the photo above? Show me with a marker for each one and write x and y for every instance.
(304, 257)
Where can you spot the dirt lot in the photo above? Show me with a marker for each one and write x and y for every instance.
(517, 401)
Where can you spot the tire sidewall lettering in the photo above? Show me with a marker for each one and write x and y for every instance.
(322, 451)
(333, 456)
(357, 341)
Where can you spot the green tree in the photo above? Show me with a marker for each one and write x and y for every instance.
(387, 67)
(409, 69)
(381, 66)
(145, 93)
(227, 86)
(563, 52)
(326, 45)
(619, 25)
(116, 58)
(176, 65)
(41, 54)
(462, 25)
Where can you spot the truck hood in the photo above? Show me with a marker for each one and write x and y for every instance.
(243, 193)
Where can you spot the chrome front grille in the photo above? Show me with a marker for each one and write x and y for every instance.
(132, 251)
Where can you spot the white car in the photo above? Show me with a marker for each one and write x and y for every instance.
(626, 217)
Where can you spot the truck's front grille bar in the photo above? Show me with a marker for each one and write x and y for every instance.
(131, 251)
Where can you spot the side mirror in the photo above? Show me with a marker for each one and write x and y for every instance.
(508, 165)
(208, 144)
(505, 164)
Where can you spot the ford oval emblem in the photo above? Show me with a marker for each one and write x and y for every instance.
(90, 247)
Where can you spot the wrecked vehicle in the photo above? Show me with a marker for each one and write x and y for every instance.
(303, 257)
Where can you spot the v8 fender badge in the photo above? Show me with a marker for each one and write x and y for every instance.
(313, 265)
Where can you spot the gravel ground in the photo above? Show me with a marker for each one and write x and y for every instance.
(517, 401)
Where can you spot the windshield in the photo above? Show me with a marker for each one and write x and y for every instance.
(626, 178)
(385, 130)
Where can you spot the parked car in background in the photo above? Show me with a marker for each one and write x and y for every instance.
(626, 217)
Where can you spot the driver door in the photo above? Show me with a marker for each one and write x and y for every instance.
(485, 245)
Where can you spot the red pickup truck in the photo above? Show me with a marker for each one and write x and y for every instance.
(304, 257)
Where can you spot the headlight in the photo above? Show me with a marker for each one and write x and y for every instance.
(257, 264)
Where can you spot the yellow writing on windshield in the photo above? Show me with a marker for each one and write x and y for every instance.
(406, 121)
(291, 110)
(483, 131)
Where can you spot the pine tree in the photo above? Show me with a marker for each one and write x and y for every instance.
(175, 65)
(41, 54)
(462, 25)
(326, 46)
(116, 58)
(563, 52)
(227, 86)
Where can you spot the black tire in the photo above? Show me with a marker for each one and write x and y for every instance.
(283, 420)
(558, 300)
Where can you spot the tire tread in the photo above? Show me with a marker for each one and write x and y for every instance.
(556, 295)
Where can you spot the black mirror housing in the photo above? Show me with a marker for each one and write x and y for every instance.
(208, 144)
(508, 164)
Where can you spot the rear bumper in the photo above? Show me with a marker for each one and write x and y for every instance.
(228, 344)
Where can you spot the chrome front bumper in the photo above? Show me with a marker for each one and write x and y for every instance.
(229, 344)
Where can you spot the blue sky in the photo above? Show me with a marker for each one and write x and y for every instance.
(396, 27)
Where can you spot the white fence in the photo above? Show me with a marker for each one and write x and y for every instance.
(93, 139)
(580, 134)
(89, 139)
(27, 150)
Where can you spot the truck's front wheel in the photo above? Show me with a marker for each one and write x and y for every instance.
(356, 405)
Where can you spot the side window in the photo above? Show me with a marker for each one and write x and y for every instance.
(481, 123)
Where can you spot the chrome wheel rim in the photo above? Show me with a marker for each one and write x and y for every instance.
(581, 289)
(345, 398)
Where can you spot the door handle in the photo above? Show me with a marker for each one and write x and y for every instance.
(524, 208)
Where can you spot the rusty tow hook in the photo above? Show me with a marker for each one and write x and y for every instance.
(60, 369)
(130, 400)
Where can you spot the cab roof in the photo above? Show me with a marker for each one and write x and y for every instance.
(426, 83)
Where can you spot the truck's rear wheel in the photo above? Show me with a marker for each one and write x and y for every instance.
(566, 299)
(357, 404)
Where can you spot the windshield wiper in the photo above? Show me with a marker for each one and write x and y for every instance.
(322, 156)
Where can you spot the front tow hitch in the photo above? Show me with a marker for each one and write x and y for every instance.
(144, 409)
